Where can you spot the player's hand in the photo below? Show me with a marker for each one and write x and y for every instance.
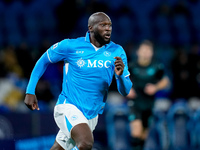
(132, 94)
(31, 102)
(150, 89)
(119, 66)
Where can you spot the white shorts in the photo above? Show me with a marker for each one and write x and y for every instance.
(66, 117)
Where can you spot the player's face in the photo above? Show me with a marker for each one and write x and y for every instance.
(145, 52)
(102, 30)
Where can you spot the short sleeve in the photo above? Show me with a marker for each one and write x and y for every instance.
(58, 52)
(161, 72)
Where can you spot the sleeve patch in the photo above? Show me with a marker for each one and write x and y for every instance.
(55, 45)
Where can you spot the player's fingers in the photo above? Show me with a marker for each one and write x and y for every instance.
(36, 106)
(119, 65)
(116, 61)
(117, 58)
(119, 68)
(29, 106)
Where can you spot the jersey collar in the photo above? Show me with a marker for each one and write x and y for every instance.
(87, 37)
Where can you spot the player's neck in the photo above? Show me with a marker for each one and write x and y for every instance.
(144, 62)
(95, 42)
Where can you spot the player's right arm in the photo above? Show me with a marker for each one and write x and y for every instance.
(40, 67)
(54, 54)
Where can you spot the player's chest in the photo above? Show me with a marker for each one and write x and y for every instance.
(144, 72)
(93, 60)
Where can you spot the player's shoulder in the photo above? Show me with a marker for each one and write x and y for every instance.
(73, 40)
(156, 61)
(157, 64)
(133, 64)
(113, 44)
(69, 42)
(78, 39)
(116, 47)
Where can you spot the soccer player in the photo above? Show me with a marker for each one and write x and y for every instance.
(149, 77)
(90, 63)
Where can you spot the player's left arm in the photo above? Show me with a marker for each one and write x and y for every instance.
(151, 89)
(124, 83)
(162, 83)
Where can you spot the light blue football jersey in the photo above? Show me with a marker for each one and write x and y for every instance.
(87, 73)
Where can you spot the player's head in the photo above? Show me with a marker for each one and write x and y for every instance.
(100, 27)
(145, 50)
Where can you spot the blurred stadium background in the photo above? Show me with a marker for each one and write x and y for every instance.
(29, 27)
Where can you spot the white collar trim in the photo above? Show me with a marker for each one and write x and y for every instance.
(96, 48)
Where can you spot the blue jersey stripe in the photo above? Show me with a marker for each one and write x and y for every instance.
(69, 126)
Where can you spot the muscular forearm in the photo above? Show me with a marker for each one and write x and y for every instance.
(37, 72)
(124, 85)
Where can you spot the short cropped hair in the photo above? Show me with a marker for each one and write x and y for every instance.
(147, 42)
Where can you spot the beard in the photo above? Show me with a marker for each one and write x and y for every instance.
(100, 39)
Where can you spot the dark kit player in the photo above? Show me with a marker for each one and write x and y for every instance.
(148, 77)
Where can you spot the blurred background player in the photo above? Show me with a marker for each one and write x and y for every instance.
(148, 77)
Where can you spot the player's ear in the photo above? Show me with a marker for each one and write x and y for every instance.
(90, 28)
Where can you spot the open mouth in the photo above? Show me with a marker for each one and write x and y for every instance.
(107, 36)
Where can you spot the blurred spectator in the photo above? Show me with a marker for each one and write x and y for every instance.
(20, 21)
(181, 75)
(10, 61)
(23, 53)
(71, 13)
(11, 88)
(185, 72)
(161, 23)
(181, 7)
(194, 57)
(3, 70)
